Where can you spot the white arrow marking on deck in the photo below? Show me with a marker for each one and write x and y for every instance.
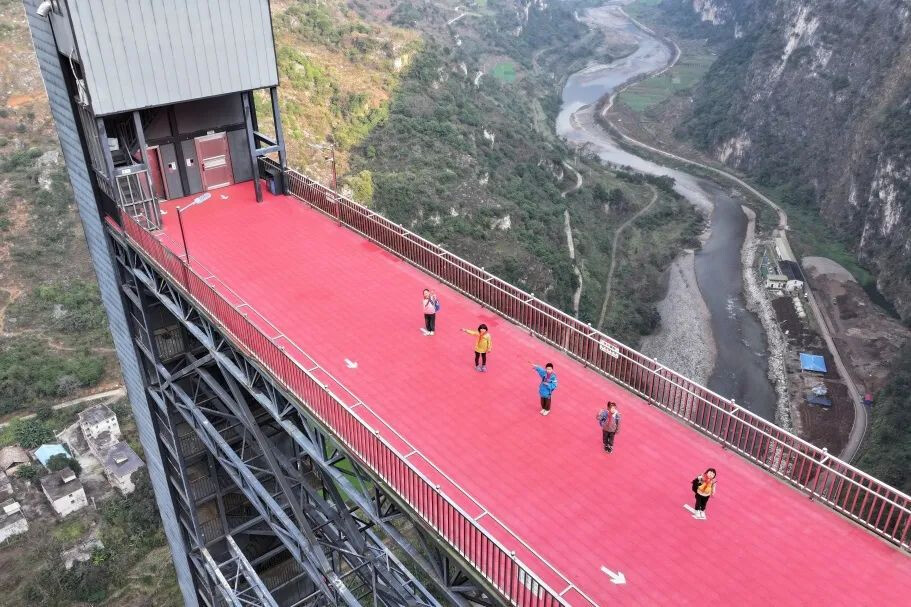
(351, 364)
(617, 578)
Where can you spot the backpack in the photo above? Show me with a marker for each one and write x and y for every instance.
(436, 305)
(696, 483)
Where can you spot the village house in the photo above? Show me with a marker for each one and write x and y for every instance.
(776, 282)
(12, 521)
(11, 458)
(97, 420)
(102, 435)
(64, 491)
(120, 462)
(792, 272)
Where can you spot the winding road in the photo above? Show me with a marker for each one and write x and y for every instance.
(568, 228)
(613, 253)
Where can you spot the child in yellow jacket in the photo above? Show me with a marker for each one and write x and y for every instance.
(481, 347)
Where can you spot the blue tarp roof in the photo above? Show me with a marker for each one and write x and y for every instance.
(46, 452)
(812, 362)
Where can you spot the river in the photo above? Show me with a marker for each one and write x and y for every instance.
(740, 369)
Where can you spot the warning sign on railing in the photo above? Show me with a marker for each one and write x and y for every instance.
(610, 348)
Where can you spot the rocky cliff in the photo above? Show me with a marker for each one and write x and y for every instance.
(813, 98)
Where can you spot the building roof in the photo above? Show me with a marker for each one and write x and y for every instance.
(96, 415)
(12, 456)
(812, 362)
(791, 270)
(155, 52)
(120, 460)
(819, 401)
(104, 441)
(60, 484)
(777, 277)
(10, 512)
(542, 480)
(46, 452)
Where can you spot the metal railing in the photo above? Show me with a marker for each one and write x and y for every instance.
(135, 196)
(876, 505)
(848, 490)
(498, 565)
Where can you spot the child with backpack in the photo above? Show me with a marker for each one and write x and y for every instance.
(431, 306)
(609, 420)
(704, 487)
(481, 347)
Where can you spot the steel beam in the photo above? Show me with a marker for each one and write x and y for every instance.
(352, 504)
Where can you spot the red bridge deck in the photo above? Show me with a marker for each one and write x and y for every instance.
(544, 479)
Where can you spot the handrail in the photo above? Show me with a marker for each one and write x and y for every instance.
(498, 565)
(848, 490)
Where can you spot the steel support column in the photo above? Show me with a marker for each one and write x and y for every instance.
(239, 414)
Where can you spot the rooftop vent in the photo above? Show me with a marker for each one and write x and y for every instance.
(67, 475)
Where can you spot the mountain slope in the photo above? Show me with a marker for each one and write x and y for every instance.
(813, 99)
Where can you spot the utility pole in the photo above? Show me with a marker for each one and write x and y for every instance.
(334, 174)
(183, 237)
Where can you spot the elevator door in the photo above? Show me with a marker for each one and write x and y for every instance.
(214, 161)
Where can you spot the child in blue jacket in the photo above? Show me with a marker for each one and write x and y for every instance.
(547, 386)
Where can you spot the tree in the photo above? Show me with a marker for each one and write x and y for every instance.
(61, 461)
(31, 433)
(28, 472)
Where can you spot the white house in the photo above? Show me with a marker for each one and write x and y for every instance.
(120, 462)
(97, 420)
(102, 434)
(64, 491)
(12, 521)
(776, 282)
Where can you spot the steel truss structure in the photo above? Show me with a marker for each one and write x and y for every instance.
(274, 510)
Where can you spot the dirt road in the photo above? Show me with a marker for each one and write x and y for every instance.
(108, 394)
(613, 253)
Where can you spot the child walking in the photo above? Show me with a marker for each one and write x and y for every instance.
(481, 347)
(547, 386)
(431, 306)
(609, 420)
(704, 487)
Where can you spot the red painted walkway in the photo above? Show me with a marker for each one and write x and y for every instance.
(340, 297)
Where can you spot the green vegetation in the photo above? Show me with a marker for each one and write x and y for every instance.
(69, 307)
(651, 92)
(70, 531)
(464, 164)
(505, 71)
(338, 70)
(30, 371)
(129, 528)
(31, 433)
(641, 8)
(60, 461)
(30, 472)
(887, 450)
